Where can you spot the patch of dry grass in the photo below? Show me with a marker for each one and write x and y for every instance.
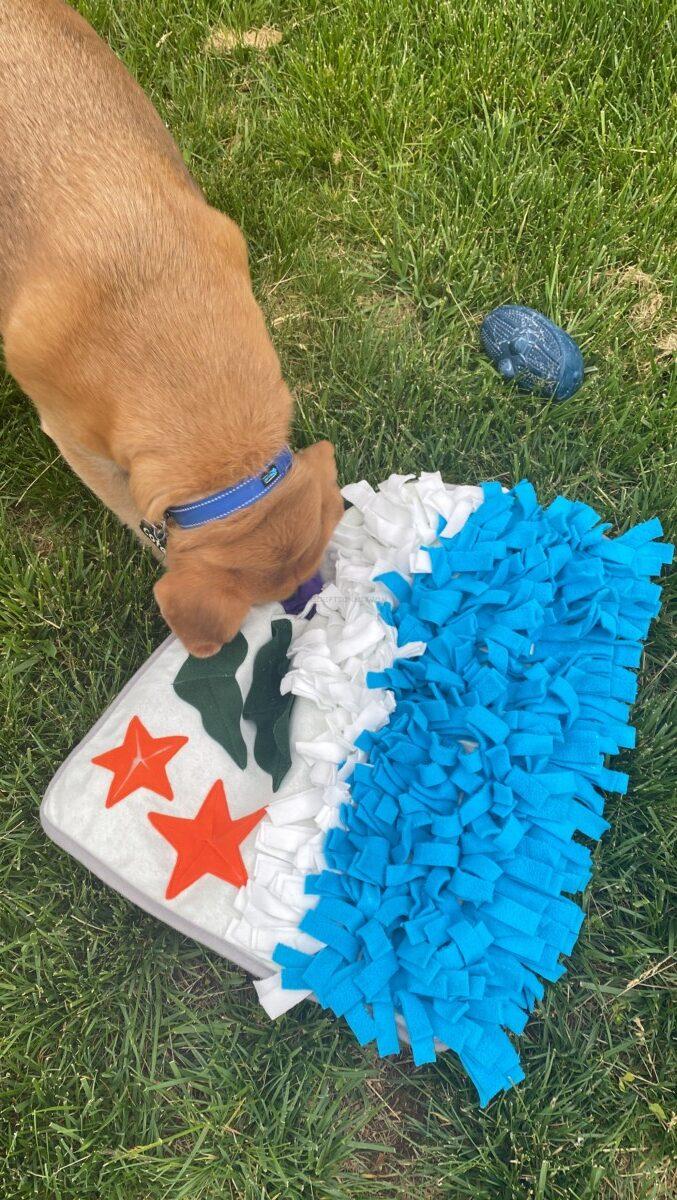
(222, 40)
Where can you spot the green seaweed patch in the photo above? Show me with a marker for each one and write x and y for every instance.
(267, 707)
(209, 684)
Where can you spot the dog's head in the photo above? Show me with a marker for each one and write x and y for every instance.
(217, 572)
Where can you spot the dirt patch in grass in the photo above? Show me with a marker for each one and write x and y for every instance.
(390, 312)
(649, 299)
(39, 531)
(387, 1127)
(649, 310)
(222, 40)
(288, 315)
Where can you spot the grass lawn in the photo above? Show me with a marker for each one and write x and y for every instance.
(399, 168)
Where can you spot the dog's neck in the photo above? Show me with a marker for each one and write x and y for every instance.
(174, 474)
(207, 402)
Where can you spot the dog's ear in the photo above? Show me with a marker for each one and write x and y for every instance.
(202, 612)
(320, 460)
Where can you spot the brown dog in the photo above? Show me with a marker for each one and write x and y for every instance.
(128, 317)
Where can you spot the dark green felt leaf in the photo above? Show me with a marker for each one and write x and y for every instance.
(267, 708)
(209, 684)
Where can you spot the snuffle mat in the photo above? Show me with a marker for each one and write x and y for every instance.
(380, 803)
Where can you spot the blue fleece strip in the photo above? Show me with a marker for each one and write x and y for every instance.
(444, 899)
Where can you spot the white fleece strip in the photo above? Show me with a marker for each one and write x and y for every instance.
(330, 657)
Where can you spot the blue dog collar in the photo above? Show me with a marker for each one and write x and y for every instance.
(232, 499)
(222, 504)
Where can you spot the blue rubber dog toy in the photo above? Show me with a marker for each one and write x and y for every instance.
(527, 348)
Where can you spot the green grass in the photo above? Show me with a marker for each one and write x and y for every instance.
(398, 168)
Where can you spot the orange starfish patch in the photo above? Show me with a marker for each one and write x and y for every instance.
(208, 843)
(139, 762)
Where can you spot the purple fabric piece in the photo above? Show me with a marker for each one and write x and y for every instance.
(295, 604)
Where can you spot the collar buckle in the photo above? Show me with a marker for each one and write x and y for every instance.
(157, 534)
